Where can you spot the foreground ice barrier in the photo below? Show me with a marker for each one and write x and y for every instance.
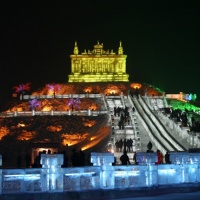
(142, 175)
(104, 160)
(52, 179)
(144, 158)
(185, 169)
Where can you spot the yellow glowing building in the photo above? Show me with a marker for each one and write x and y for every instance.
(98, 65)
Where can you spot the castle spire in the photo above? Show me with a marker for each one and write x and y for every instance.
(75, 49)
(120, 50)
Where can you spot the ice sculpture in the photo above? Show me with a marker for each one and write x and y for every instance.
(148, 172)
(194, 155)
(51, 172)
(52, 178)
(104, 160)
(179, 157)
(184, 168)
(144, 158)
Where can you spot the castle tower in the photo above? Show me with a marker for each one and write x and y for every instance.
(98, 65)
(120, 50)
(75, 49)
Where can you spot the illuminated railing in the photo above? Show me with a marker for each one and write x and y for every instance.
(184, 133)
(105, 103)
(185, 169)
(169, 122)
(122, 99)
(132, 115)
(59, 96)
(193, 138)
(52, 112)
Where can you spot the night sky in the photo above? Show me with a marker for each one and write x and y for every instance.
(161, 39)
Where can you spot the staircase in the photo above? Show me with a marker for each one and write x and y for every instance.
(130, 130)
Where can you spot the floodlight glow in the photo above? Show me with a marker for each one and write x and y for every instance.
(31, 177)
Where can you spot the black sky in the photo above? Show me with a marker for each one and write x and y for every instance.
(160, 37)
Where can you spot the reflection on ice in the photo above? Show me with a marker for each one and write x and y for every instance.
(28, 177)
(80, 174)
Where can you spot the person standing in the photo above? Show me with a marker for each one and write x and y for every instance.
(27, 160)
(149, 146)
(75, 158)
(81, 158)
(125, 159)
(160, 157)
(167, 158)
(134, 158)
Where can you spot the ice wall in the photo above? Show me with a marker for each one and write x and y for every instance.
(104, 160)
(144, 158)
(185, 168)
(52, 179)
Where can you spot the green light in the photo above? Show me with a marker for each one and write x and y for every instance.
(183, 105)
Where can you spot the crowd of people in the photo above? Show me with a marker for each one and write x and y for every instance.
(75, 159)
(78, 158)
(124, 145)
(185, 118)
(124, 119)
(124, 116)
(125, 160)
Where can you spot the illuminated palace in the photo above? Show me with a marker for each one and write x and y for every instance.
(98, 65)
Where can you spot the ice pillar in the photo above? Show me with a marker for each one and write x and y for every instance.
(148, 159)
(189, 163)
(104, 160)
(33, 112)
(89, 112)
(15, 113)
(52, 172)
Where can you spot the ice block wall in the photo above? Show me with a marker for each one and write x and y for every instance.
(179, 157)
(104, 160)
(185, 169)
(52, 172)
(144, 158)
